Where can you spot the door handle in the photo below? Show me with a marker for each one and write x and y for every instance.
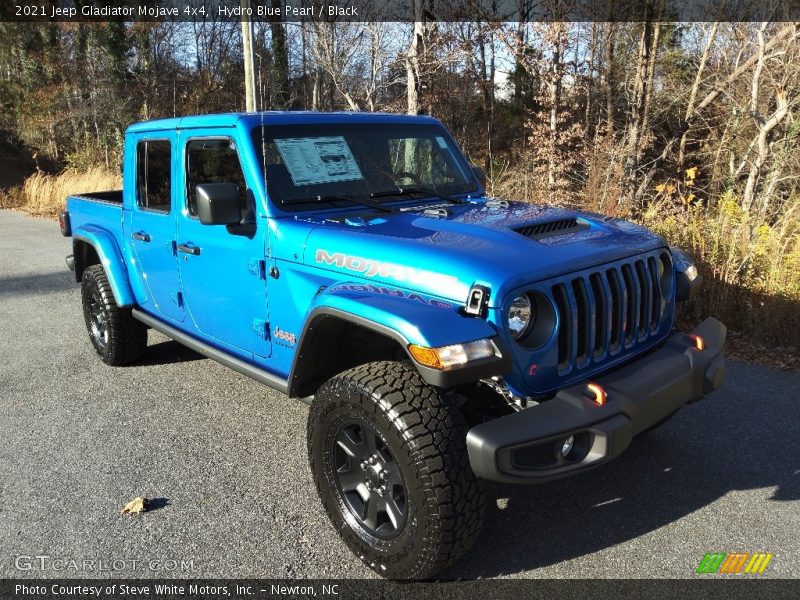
(141, 236)
(188, 249)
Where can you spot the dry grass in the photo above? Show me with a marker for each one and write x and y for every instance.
(750, 265)
(45, 195)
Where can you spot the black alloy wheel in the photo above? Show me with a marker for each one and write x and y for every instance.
(369, 479)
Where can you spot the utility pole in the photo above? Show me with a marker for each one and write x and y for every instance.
(249, 59)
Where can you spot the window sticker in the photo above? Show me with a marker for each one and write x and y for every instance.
(314, 160)
(440, 140)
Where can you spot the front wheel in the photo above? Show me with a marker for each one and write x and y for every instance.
(117, 337)
(389, 459)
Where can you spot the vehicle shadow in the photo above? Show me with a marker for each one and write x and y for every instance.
(166, 353)
(742, 437)
(32, 285)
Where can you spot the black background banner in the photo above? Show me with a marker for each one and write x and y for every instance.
(711, 587)
(402, 10)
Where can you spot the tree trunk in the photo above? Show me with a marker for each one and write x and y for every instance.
(413, 83)
(636, 117)
(279, 75)
(519, 45)
(609, 80)
(587, 117)
(554, 93)
(648, 87)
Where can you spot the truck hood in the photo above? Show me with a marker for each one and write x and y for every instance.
(442, 250)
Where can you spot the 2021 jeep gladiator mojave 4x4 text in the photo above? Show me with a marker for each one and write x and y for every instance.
(441, 337)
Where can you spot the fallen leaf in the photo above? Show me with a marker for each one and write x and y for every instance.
(135, 506)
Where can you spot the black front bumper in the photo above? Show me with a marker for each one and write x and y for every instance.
(524, 447)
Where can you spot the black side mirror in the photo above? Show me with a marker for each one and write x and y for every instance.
(480, 174)
(218, 204)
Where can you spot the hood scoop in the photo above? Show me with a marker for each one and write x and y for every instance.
(537, 231)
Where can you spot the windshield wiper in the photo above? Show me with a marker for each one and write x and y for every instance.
(416, 190)
(334, 198)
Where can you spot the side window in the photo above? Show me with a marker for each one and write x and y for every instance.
(153, 175)
(215, 161)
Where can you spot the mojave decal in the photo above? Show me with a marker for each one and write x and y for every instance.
(375, 268)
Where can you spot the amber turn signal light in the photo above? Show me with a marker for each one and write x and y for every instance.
(599, 394)
(699, 342)
(425, 356)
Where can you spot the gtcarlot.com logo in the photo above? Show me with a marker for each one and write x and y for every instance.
(737, 562)
(45, 562)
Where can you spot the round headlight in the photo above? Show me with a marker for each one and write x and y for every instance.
(520, 316)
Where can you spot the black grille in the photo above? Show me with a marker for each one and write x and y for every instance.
(602, 312)
(541, 230)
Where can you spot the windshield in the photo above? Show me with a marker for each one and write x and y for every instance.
(305, 165)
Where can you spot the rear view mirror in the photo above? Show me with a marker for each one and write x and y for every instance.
(480, 174)
(218, 204)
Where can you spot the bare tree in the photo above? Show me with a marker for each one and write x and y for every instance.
(414, 56)
(764, 125)
(698, 79)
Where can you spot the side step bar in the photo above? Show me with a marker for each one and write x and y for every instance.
(260, 375)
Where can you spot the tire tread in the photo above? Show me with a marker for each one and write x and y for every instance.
(127, 338)
(434, 430)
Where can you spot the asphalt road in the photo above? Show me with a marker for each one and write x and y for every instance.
(225, 458)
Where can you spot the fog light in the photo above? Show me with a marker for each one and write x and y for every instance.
(567, 446)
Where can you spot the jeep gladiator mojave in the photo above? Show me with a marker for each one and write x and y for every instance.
(441, 337)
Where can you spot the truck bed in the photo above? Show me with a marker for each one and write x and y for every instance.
(99, 210)
(111, 196)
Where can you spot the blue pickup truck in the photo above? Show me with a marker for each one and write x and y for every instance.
(441, 337)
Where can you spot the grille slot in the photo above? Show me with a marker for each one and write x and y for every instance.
(602, 312)
(538, 231)
(601, 328)
(565, 325)
(582, 304)
(618, 302)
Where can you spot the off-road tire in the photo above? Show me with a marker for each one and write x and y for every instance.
(123, 339)
(426, 433)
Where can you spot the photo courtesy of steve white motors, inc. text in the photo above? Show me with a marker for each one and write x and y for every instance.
(173, 589)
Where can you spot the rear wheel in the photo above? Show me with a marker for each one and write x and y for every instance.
(118, 338)
(389, 459)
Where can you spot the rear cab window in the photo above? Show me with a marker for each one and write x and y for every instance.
(154, 175)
